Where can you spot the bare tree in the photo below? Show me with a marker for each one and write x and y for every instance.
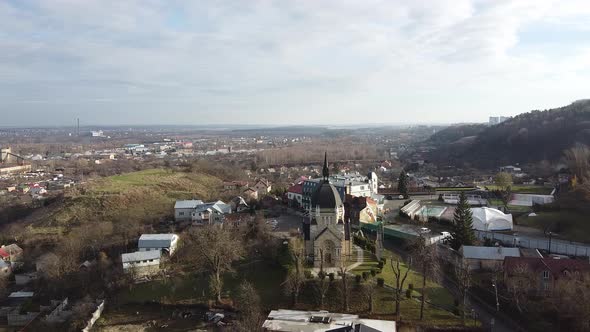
(401, 274)
(578, 161)
(428, 266)
(463, 277)
(295, 277)
(519, 285)
(213, 249)
(250, 307)
(344, 288)
(322, 287)
(369, 288)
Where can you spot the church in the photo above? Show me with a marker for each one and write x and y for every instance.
(326, 233)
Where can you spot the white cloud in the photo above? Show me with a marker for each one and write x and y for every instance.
(278, 61)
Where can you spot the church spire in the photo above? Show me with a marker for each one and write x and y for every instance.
(326, 170)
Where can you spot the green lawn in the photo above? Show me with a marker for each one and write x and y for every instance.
(437, 294)
(525, 189)
(194, 288)
(570, 225)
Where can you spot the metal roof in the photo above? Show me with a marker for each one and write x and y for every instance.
(140, 256)
(156, 240)
(301, 321)
(494, 253)
(188, 204)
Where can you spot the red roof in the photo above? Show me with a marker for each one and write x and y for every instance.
(4, 254)
(296, 189)
(556, 266)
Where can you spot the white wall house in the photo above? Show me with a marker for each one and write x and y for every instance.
(183, 209)
(158, 242)
(141, 262)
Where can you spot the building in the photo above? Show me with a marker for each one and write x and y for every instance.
(486, 258)
(494, 120)
(262, 187)
(510, 169)
(295, 195)
(351, 184)
(160, 242)
(11, 253)
(488, 219)
(184, 209)
(542, 275)
(323, 321)
(210, 213)
(326, 234)
(141, 262)
(360, 209)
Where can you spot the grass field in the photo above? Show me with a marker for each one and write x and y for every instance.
(570, 225)
(437, 294)
(525, 189)
(144, 195)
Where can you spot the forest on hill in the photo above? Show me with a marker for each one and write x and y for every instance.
(527, 138)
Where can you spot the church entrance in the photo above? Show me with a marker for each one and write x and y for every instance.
(329, 253)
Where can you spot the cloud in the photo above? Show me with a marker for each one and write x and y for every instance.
(297, 62)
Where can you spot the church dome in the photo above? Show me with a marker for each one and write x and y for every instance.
(326, 197)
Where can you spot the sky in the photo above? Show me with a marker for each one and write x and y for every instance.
(288, 62)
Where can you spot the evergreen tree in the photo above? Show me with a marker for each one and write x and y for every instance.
(402, 183)
(462, 232)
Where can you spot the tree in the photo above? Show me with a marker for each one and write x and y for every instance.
(462, 230)
(295, 276)
(213, 249)
(428, 265)
(402, 183)
(368, 289)
(401, 274)
(322, 287)
(250, 306)
(503, 180)
(463, 277)
(519, 285)
(344, 287)
(578, 162)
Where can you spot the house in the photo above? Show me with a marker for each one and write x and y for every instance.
(210, 213)
(486, 258)
(541, 275)
(250, 194)
(234, 185)
(141, 262)
(323, 321)
(238, 204)
(360, 209)
(5, 269)
(159, 242)
(11, 253)
(262, 186)
(510, 169)
(183, 209)
(295, 195)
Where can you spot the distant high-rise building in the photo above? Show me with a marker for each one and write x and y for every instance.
(494, 120)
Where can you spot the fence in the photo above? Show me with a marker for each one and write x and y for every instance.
(557, 246)
(95, 316)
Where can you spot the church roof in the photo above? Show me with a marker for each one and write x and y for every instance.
(339, 236)
(326, 197)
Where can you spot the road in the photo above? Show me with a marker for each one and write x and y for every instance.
(485, 313)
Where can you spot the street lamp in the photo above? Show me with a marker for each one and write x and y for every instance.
(495, 285)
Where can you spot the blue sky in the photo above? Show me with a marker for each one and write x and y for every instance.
(288, 62)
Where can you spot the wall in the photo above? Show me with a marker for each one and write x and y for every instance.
(95, 316)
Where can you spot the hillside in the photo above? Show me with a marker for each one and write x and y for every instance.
(527, 138)
(456, 133)
(143, 196)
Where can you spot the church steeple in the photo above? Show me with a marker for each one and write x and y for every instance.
(326, 170)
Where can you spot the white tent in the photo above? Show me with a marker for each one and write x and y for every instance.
(488, 219)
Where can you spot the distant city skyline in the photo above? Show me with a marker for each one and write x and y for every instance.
(274, 63)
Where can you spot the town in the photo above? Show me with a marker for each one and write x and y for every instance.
(250, 230)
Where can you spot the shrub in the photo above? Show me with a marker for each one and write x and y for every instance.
(409, 293)
(357, 278)
(380, 264)
(365, 275)
(380, 282)
(373, 272)
(384, 260)
(308, 274)
(331, 276)
(411, 286)
(321, 275)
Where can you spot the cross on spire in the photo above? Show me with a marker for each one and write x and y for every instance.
(326, 170)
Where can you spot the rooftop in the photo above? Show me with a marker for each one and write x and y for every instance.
(495, 253)
(140, 256)
(189, 204)
(316, 321)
